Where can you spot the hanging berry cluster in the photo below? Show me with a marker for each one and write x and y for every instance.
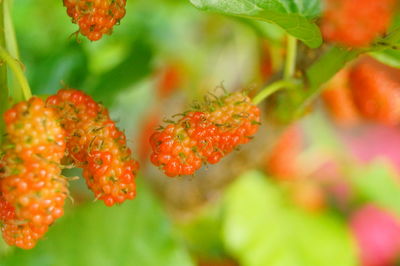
(70, 126)
(95, 17)
(204, 134)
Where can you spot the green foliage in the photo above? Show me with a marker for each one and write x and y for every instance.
(293, 16)
(136, 233)
(377, 182)
(260, 228)
(389, 57)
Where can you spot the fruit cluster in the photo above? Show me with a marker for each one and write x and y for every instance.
(32, 188)
(95, 17)
(356, 23)
(95, 144)
(368, 89)
(41, 137)
(205, 134)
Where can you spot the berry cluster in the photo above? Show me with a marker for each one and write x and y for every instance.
(367, 89)
(205, 134)
(95, 17)
(338, 99)
(32, 188)
(95, 144)
(376, 90)
(356, 23)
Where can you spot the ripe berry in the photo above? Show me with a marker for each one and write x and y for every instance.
(338, 100)
(95, 17)
(32, 188)
(356, 23)
(205, 134)
(282, 161)
(376, 91)
(97, 145)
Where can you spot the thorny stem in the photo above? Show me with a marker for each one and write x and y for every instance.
(17, 70)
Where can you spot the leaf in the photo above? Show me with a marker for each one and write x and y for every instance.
(378, 182)
(323, 70)
(135, 66)
(293, 16)
(68, 65)
(388, 57)
(135, 233)
(260, 228)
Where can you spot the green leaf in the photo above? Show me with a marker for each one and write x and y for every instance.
(323, 70)
(260, 228)
(135, 66)
(388, 57)
(378, 182)
(135, 233)
(293, 16)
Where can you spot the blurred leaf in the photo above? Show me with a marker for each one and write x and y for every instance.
(135, 66)
(67, 65)
(323, 70)
(203, 234)
(378, 182)
(388, 57)
(261, 229)
(293, 16)
(135, 233)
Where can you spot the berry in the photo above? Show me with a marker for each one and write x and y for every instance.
(377, 233)
(282, 160)
(338, 100)
(32, 188)
(169, 79)
(95, 17)
(376, 91)
(97, 145)
(205, 134)
(356, 23)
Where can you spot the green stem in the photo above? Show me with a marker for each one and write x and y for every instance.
(17, 70)
(290, 64)
(270, 89)
(3, 73)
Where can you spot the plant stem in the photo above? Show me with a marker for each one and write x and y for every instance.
(290, 64)
(17, 70)
(3, 73)
(273, 87)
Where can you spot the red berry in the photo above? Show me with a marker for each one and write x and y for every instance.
(356, 23)
(205, 135)
(32, 188)
(282, 161)
(338, 99)
(95, 17)
(376, 91)
(97, 145)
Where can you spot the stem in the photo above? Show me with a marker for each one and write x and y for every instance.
(270, 89)
(3, 72)
(17, 70)
(290, 64)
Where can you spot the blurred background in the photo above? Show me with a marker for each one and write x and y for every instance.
(323, 190)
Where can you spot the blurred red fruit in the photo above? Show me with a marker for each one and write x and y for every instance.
(376, 90)
(356, 23)
(169, 79)
(282, 161)
(377, 233)
(338, 99)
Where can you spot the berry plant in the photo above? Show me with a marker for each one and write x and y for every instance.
(257, 128)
